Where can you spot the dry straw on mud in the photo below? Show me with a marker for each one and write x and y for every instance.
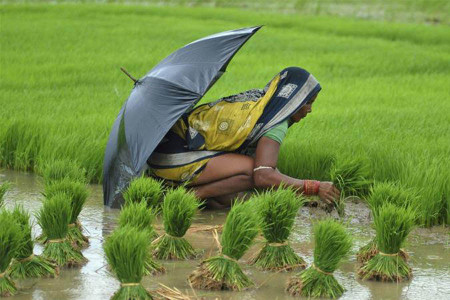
(147, 189)
(77, 193)
(10, 242)
(178, 210)
(54, 218)
(58, 170)
(26, 264)
(277, 210)
(392, 224)
(222, 272)
(380, 193)
(126, 250)
(332, 243)
(351, 177)
(4, 187)
(139, 216)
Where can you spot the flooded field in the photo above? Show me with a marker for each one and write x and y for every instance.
(429, 251)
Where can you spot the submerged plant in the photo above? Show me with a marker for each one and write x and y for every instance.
(126, 250)
(351, 178)
(332, 243)
(10, 242)
(77, 193)
(63, 169)
(139, 216)
(392, 225)
(4, 187)
(277, 209)
(179, 208)
(54, 218)
(222, 272)
(380, 193)
(147, 189)
(25, 263)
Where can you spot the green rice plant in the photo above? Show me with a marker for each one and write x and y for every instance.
(77, 193)
(145, 188)
(222, 272)
(57, 170)
(178, 210)
(277, 209)
(380, 193)
(25, 263)
(126, 250)
(4, 187)
(332, 243)
(54, 217)
(392, 224)
(350, 177)
(138, 215)
(10, 242)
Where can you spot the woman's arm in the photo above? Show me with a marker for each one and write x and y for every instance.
(267, 152)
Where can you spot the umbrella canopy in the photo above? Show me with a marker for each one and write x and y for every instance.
(158, 100)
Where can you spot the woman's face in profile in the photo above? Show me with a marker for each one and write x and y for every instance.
(304, 110)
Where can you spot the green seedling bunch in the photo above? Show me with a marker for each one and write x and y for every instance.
(10, 243)
(222, 272)
(26, 264)
(126, 250)
(392, 226)
(54, 217)
(145, 189)
(277, 210)
(4, 187)
(332, 243)
(178, 210)
(139, 216)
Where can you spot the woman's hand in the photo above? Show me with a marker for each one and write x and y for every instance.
(328, 192)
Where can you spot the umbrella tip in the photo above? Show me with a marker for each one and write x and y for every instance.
(128, 74)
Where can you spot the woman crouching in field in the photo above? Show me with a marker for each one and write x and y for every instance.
(231, 145)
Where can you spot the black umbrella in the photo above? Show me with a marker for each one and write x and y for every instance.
(158, 100)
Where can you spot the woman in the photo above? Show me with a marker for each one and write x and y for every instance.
(232, 145)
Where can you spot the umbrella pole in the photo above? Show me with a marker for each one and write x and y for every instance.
(128, 74)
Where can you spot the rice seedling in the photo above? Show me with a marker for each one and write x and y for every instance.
(392, 224)
(178, 210)
(126, 250)
(77, 193)
(54, 217)
(26, 264)
(277, 209)
(380, 193)
(332, 243)
(4, 187)
(146, 189)
(222, 272)
(350, 176)
(10, 242)
(61, 169)
(138, 215)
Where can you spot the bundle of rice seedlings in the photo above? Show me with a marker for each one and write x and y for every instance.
(277, 209)
(351, 178)
(222, 272)
(54, 217)
(392, 225)
(4, 187)
(25, 263)
(139, 216)
(380, 193)
(179, 208)
(77, 193)
(126, 250)
(10, 242)
(63, 169)
(147, 189)
(332, 243)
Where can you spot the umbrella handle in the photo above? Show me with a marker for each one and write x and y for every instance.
(128, 74)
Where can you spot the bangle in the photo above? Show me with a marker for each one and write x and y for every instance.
(311, 187)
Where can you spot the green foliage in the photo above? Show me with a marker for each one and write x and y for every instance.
(137, 214)
(22, 218)
(54, 216)
(4, 187)
(179, 209)
(390, 192)
(126, 252)
(145, 189)
(60, 169)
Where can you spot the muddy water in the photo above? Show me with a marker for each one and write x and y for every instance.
(429, 250)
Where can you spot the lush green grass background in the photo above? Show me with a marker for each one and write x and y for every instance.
(385, 94)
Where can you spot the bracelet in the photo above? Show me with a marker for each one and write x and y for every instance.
(311, 187)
